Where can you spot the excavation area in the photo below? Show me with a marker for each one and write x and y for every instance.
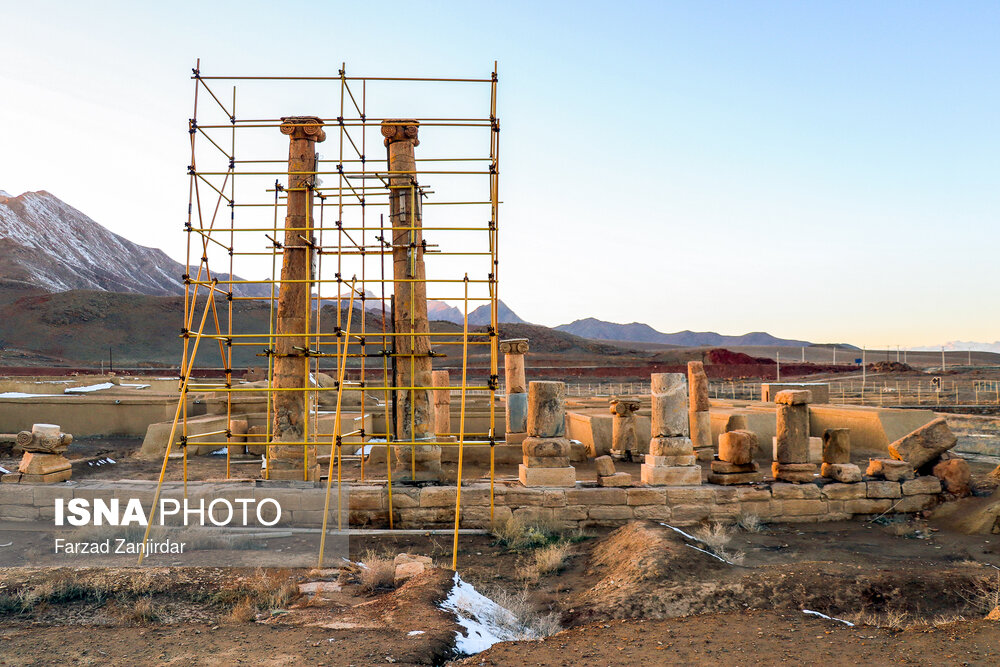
(898, 589)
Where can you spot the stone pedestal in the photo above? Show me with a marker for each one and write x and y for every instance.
(837, 457)
(546, 450)
(624, 436)
(792, 439)
(735, 464)
(513, 351)
(671, 459)
(43, 461)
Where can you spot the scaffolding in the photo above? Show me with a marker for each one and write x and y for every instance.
(237, 163)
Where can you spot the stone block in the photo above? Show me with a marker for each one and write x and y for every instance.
(724, 467)
(519, 496)
(796, 473)
(364, 500)
(545, 461)
(837, 445)
(792, 437)
(605, 466)
(671, 460)
(534, 514)
(540, 447)
(653, 512)
(735, 478)
(691, 495)
(925, 484)
(668, 416)
(724, 513)
(890, 469)
(686, 515)
(571, 513)
(793, 397)
(34, 463)
(753, 494)
(437, 496)
(53, 477)
(610, 512)
(19, 513)
(915, 503)
(796, 491)
(884, 489)
(737, 447)
(547, 476)
(596, 496)
(671, 446)
(925, 444)
(800, 507)
(841, 472)
(517, 412)
(838, 491)
(867, 506)
(618, 479)
(761, 508)
(640, 496)
(705, 454)
(737, 422)
(722, 495)
(670, 475)
(815, 450)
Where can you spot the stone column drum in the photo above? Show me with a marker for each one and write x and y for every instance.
(734, 464)
(792, 440)
(837, 456)
(291, 365)
(414, 418)
(699, 417)
(624, 435)
(671, 459)
(546, 449)
(513, 351)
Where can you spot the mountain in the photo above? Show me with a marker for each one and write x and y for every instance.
(45, 242)
(643, 333)
(442, 312)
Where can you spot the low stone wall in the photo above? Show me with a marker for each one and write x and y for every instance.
(434, 506)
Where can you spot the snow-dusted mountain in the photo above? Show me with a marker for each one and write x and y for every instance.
(638, 332)
(963, 346)
(47, 243)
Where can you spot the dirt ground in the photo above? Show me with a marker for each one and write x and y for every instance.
(637, 595)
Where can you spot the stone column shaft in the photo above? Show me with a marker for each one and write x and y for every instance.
(291, 366)
(442, 403)
(517, 387)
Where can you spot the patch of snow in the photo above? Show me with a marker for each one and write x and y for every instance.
(364, 451)
(678, 530)
(829, 618)
(89, 388)
(412, 633)
(218, 452)
(21, 394)
(4, 470)
(485, 622)
(706, 551)
(136, 386)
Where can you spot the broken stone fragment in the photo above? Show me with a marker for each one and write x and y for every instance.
(697, 387)
(668, 417)
(793, 397)
(837, 445)
(737, 447)
(955, 476)
(846, 473)
(925, 444)
(890, 469)
(605, 466)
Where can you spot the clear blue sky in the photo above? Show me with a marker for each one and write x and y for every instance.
(828, 171)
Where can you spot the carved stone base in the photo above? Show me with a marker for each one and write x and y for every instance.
(547, 476)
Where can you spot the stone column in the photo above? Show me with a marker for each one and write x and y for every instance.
(513, 351)
(413, 363)
(442, 405)
(837, 456)
(546, 449)
(624, 435)
(792, 439)
(698, 417)
(671, 459)
(291, 365)
(734, 463)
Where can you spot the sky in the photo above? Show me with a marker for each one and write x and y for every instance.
(825, 171)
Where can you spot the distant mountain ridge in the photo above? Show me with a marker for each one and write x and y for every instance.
(45, 242)
(643, 333)
(961, 345)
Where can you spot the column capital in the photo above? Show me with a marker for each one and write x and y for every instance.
(514, 346)
(303, 127)
(624, 406)
(400, 130)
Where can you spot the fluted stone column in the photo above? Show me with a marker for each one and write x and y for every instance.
(513, 351)
(414, 419)
(291, 365)
(671, 459)
(546, 449)
(792, 439)
(624, 435)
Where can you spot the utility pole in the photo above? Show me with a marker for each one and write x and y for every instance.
(779, 366)
(942, 360)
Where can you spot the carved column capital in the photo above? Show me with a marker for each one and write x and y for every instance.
(400, 130)
(303, 127)
(514, 346)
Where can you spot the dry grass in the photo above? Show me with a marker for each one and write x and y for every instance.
(141, 612)
(518, 534)
(543, 561)
(376, 572)
(261, 590)
(715, 536)
(526, 622)
(244, 611)
(893, 619)
(984, 595)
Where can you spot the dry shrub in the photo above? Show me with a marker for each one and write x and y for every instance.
(519, 534)
(546, 560)
(141, 612)
(750, 523)
(983, 596)
(716, 536)
(376, 572)
(526, 622)
(244, 611)
(892, 619)
(264, 589)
